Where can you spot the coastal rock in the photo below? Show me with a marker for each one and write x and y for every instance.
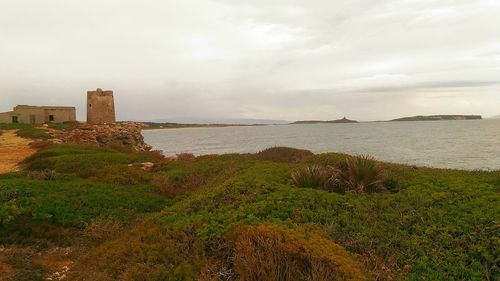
(120, 135)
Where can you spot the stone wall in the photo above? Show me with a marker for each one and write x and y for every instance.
(29, 115)
(60, 115)
(39, 114)
(121, 135)
(100, 107)
(6, 117)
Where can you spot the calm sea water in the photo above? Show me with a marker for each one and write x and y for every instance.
(445, 144)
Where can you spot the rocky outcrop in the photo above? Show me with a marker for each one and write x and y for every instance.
(126, 135)
(343, 120)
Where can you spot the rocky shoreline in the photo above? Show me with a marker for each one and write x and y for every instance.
(120, 135)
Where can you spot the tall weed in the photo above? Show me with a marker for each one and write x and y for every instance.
(364, 174)
(359, 174)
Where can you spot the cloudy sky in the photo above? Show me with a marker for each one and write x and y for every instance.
(259, 59)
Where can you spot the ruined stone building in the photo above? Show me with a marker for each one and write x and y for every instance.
(100, 110)
(39, 114)
(100, 107)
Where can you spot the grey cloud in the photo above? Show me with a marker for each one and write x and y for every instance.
(430, 85)
(268, 59)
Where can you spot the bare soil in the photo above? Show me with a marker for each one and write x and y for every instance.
(13, 150)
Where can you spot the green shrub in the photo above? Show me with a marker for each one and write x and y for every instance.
(14, 126)
(185, 156)
(26, 130)
(74, 202)
(122, 174)
(363, 174)
(47, 174)
(284, 154)
(329, 178)
(173, 185)
(33, 133)
(358, 174)
(152, 155)
(179, 177)
(65, 149)
(67, 125)
(9, 211)
(148, 252)
(310, 176)
(78, 159)
(391, 184)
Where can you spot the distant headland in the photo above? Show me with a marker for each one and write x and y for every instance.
(411, 118)
(169, 125)
(439, 118)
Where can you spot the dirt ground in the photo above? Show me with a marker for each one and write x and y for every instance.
(13, 149)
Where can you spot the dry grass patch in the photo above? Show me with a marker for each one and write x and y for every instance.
(273, 253)
(148, 252)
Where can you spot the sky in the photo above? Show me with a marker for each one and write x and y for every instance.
(263, 59)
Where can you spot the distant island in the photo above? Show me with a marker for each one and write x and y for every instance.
(439, 118)
(171, 125)
(343, 120)
(167, 125)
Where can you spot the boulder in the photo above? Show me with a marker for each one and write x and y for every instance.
(145, 166)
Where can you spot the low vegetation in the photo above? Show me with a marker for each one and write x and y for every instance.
(14, 126)
(26, 130)
(361, 174)
(313, 176)
(33, 133)
(185, 156)
(269, 252)
(80, 160)
(122, 174)
(68, 125)
(284, 154)
(281, 214)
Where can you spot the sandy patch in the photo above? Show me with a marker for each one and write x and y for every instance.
(13, 150)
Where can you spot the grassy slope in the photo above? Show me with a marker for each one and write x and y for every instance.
(25, 130)
(441, 225)
(79, 159)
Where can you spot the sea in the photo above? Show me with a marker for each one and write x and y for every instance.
(469, 145)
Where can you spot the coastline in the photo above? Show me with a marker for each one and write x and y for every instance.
(184, 126)
(82, 207)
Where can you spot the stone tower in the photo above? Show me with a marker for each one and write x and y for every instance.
(100, 107)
